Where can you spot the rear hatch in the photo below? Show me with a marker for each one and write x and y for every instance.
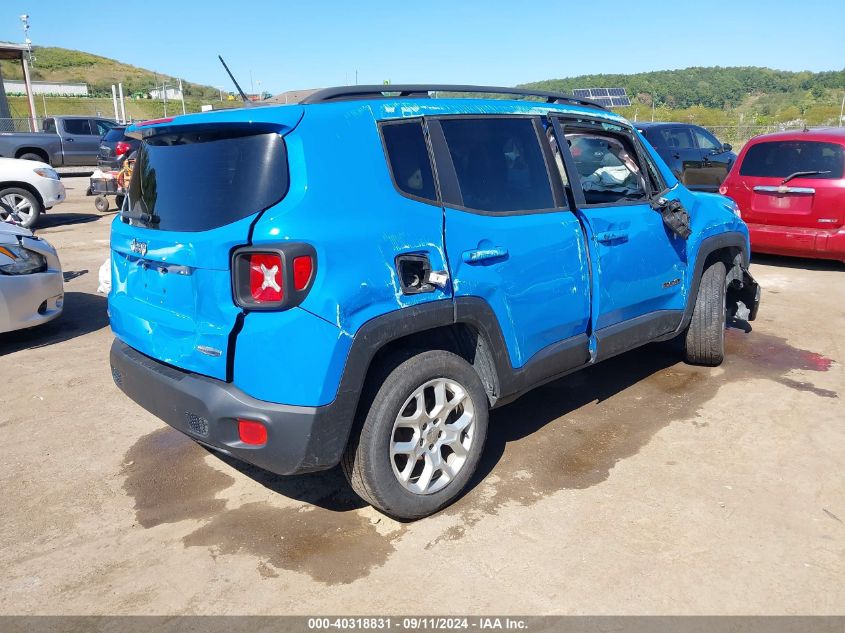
(793, 183)
(194, 195)
(109, 141)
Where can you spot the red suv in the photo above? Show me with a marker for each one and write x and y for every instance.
(790, 189)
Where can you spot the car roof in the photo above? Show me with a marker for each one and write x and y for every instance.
(830, 134)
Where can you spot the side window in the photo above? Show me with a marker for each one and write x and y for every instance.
(705, 140)
(77, 126)
(499, 164)
(49, 126)
(677, 138)
(407, 155)
(658, 184)
(607, 166)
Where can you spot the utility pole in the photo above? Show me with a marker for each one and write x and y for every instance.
(114, 102)
(182, 94)
(652, 108)
(26, 63)
(122, 103)
(842, 110)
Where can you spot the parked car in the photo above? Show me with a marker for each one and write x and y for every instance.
(696, 157)
(416, 260)
(31, 287)
(790, 188)
(27, 189)
(115, 147)
(64, 141)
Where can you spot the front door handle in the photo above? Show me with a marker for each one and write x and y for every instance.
(482, 254)
(611, 236)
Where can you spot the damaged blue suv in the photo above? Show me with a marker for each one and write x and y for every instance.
(361, 277)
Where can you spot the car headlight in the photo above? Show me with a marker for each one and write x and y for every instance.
(24, 261)
(46, 172)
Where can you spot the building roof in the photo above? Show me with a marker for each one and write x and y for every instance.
(12, 51)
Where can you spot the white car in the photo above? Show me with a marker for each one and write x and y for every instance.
(27, 189)
(31, 284)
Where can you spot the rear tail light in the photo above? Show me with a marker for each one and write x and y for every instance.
(273, 277)
(252, 432)
(122, 147)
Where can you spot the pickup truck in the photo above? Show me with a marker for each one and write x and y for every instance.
(65, 141)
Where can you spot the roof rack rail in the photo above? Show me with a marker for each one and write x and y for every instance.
(422, 91)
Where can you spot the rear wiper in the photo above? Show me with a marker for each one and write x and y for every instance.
(141, 216)
(803, 173)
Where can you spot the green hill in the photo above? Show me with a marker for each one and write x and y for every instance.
(61, 64)
(723, 96)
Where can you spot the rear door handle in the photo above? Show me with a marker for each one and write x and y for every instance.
(482, 254)
(611, 236)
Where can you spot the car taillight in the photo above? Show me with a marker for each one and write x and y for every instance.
(265, 277)
(273, 278)
(122, 147)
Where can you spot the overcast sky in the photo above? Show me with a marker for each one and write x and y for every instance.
(305, 44)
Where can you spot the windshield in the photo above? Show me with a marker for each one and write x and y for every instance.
(195, 181)
(779, 159)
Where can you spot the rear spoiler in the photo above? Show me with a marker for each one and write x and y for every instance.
(280, 119)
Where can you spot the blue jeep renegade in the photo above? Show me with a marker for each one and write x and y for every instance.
(361, 277)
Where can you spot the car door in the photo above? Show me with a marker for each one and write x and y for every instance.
(685, 154)
(639, 265)
(79, 144)
(716, 160)
(510, 238)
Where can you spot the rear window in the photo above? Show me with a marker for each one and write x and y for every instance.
(115, 134)
(201, 180)
(779, 159)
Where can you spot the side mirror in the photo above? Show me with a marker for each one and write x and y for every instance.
(726, 147)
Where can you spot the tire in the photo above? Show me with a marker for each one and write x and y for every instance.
(24, 207)
(101, 203)
(385, 463)
(704, 343)
(33, 156)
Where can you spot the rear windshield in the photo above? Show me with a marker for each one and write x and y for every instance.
(115, 134)
(779, 159)
(201, 180)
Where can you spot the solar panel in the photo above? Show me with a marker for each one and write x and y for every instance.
(608, 97)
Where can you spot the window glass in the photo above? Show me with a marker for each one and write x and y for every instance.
(499, 164)
(102, 127)
(561, 171)
(50, 126)
(608, 168)
(706, 140)
(677, 138)
(407, 155)
(77, 126)
(779, 159)
(115, 134)
(195, 181)
(656, 178)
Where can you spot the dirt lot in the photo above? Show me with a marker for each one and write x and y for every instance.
(639, 486)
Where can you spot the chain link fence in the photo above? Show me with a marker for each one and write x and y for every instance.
(739, 135)
(19, 124)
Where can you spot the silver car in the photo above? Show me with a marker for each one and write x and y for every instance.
(31, 286)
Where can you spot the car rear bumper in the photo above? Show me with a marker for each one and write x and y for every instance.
(52, 192)
(30, 300)
(800, 242)
(299, 439)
